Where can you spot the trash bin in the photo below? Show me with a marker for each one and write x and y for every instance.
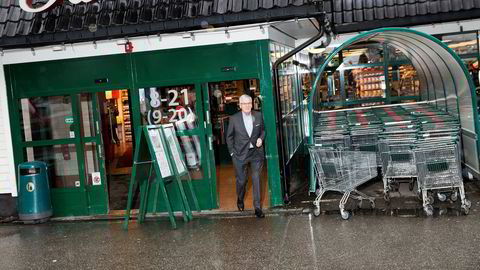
(34, 202)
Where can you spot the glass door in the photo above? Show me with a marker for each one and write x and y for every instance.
(182, 105)
(93, 154)
(50, 133)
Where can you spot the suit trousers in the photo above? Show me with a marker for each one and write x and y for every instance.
(241, 174)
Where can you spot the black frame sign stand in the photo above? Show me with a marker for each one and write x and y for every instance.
(158, 156)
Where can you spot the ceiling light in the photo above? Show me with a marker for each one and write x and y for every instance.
(316, 50)
(122, 41)
(188, 35)
(58, 48)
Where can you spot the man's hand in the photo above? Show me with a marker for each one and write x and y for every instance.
(259, 142)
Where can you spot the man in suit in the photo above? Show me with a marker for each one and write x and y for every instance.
(245, 136)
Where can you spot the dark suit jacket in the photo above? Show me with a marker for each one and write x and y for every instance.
(238, 141)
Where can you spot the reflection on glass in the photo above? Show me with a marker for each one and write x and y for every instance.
(473, 69)
(86, 115)
(403, 81)
(396, 55)
(176, 105)
(330, 87)
(465, 43)
(368, 83)
(190, 146)
(357, 56)
(91, 162)
(62, 161)
(46, 118)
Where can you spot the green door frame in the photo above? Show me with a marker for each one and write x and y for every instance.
(101, 190)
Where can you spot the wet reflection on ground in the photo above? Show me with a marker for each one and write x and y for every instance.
(276, 242)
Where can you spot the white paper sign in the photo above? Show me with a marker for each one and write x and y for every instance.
(72, 134)
(159, 153)
(173, 143)
(96, 179)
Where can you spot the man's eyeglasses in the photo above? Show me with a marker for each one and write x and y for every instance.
(246, 103)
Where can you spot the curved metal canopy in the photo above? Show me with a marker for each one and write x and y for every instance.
(443, 77)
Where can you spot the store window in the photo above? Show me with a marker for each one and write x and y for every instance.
(46, 118)
(403, 80)
(62, 161)
(462, 43)
(365, 83)
(466, 46)
(176, 105)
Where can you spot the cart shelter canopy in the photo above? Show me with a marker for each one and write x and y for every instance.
(444, 81)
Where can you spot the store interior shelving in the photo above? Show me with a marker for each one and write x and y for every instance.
(127, 125)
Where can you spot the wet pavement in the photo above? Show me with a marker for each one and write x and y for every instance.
(395, 235)
(279, 241)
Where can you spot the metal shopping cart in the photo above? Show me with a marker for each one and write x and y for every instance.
(342, 171)
(398, 164)
(331, 130)
(439, 171)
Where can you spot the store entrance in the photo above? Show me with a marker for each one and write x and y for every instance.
(224, 97)
(117, 141)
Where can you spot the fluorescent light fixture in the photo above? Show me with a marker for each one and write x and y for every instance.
(58, 48)
(188, 35)
(316, 50)
(122, 41)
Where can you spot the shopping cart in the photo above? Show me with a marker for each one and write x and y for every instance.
(439, 172)
(342, 171)
(331, 130)
(364, 128)
(398, 164)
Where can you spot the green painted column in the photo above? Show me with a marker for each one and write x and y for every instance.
(266, 89)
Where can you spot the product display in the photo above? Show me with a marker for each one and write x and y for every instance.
(127, 125)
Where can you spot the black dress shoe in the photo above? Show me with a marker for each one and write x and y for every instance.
(240, 207)
(259, 213)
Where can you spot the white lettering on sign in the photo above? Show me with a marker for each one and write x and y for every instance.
(27, 5)
(176, 112)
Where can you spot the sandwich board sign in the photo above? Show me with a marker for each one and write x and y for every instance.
(154, 164)
(178, 163)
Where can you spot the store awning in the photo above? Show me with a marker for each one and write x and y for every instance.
(444, 79)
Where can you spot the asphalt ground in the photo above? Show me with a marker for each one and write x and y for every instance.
(386, 237)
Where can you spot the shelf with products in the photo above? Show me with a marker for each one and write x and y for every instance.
(126, 126)
(403, 81)
(369, 82)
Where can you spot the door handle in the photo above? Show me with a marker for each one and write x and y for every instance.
(98, 127)
(100, 152)
(210, 143)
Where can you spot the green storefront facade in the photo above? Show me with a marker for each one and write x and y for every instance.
(78, 80)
